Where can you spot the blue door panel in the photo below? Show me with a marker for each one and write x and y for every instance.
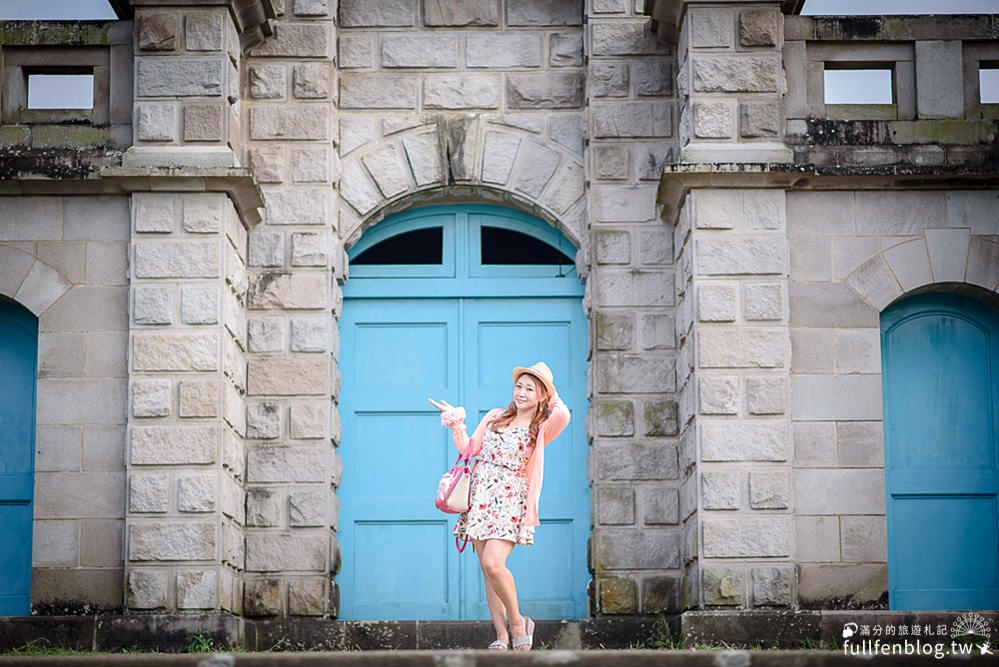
(18, 354)
(940, 358)
(454, 333)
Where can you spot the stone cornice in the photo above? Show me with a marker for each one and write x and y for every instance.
(679, 179)
(251, 17)
(667, 15)
(237, 182)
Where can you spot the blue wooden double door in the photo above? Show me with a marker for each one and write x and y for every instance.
(18, 354)
(940, 358)
(444, 302)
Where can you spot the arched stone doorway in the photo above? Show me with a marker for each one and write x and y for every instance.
(444, 301)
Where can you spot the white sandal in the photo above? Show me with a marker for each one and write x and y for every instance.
(528, 639)
(498, 645)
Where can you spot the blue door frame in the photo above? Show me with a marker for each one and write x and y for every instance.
(18, 362)
(940, 364)
(453, 330)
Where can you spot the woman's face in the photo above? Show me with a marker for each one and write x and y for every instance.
(525, 393)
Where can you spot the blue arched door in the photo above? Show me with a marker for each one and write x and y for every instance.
(940, 359)
(18, 354)
(445, 301)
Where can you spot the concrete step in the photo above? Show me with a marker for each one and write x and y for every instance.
(173, 633)
(506, 658)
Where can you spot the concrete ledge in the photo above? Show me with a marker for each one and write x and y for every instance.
(170, 633)
(819, 628)
(504, 658)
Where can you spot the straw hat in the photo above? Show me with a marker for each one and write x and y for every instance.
(540, 371)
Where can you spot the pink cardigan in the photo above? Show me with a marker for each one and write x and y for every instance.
(549, 430)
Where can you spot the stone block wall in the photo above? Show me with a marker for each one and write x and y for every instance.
(634, 468)
(185, 501)
(731, 83)
(735, 403)
(291, 423)
(935, 110)
(65, 258)
(852, 253)
(186, 89)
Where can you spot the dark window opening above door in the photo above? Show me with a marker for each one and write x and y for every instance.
(503, 246)
(420, 246)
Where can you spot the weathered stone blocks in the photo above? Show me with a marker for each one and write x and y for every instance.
(721, 490)
(632, 119)
(197, 492)
(460, 13)
(513, 49)
(289, 375)
(148, 492)
(175, 352)
(426, 50)
(723, 586)
(742, 348)
(173, 445)
(624, 38)
(296, 40)
(618, 595)
(771, 586)
(146, 589)
(292, 122)
(744, 441)
(377, 13)
(171, 541)
(747, 537)
(736, 73)
(636, 462)
(651, 549)
(151, 398)
(179, 77)
(197, 590)
(168, 259)
(267, 464)
(760, 28)
(307, 596)
(279, 553)
(545, 91)
(377, 91)
(551, 13)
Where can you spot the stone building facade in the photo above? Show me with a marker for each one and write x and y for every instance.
(184, 246)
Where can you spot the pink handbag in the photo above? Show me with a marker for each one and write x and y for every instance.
(454, 490)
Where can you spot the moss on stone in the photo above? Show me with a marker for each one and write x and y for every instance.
(54, 33)
(70, 136)
(14, 135)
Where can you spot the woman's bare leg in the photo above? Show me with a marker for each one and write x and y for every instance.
(492, 558)
(497, 611)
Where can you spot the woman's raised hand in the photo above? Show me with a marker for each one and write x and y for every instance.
(442, 406)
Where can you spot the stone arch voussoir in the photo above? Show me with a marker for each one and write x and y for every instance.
(941, 257)
(461, 156)
(29, 281)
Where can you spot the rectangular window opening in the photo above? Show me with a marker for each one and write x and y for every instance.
(68, 90)
(859, 86)
(988, 83)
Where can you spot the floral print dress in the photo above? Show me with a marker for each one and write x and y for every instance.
(499, 489)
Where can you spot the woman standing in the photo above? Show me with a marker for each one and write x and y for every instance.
(506, 485)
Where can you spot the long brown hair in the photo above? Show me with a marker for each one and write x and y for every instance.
(541, 412)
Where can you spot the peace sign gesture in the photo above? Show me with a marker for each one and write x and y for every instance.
(442, 406)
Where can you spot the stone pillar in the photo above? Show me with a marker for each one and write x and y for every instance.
(291, 423)
(185, 460)
(186, 86)
(636, 541)
(731, 84)
(185, 508)
(735, 400)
